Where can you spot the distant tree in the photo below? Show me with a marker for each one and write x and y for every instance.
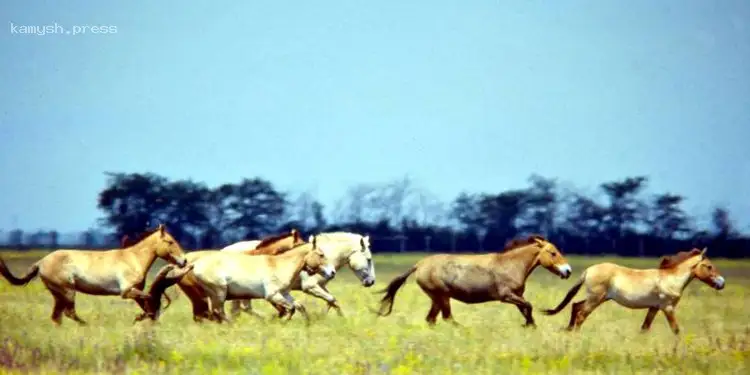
(625, 210)
(723, 226)
(15, 238)
(541, 206)
(666, 218)
(466, 212)
(186, 213)
(502, 214)
(355, 206)
(54, 237)
(252, 207)
(133, 202)
(584, 216)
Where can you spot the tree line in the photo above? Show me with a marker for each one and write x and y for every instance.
(622, 219)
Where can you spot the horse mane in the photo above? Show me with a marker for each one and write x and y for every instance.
(673, 261)
(272, 251)
(519, 242)
(271, 239)
(126, 241)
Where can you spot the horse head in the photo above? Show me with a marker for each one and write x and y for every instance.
(705, 271)
(317, 262)
(551, 258)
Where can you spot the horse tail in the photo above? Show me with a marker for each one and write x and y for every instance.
(568, 297)
(23, 280)
(390, 292)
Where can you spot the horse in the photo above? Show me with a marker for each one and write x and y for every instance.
(190, 286)
(342, 249)
(103, 273)
(228, 275)
(163, 280)
(479, 278)
(249, 246)
(657, 289)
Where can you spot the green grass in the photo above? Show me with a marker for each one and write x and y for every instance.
(715, 333)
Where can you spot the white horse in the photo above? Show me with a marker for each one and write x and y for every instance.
(241, 246)
(341, 249)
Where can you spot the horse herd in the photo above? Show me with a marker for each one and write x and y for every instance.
(272, 267)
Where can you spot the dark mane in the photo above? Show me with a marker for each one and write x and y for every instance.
(127, 241)
(518, 242)
(271, 239)
(273, 251)
(673, 261)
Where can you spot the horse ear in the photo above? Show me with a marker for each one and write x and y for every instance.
(703, 252)
(295, 234)
(538, 240)
(161, 229)
(314, 241)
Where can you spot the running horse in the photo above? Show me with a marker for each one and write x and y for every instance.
(230, 275)
(479, 278)
(103, 273)
(653, 289)
(191, 287)
(343, 249)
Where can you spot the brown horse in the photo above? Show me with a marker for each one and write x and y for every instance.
(166, 277)
(480, 278)
(652, 289)
(190, 286)
(102, 273)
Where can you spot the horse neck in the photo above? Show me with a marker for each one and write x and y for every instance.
(293, 262)
(522, 261)
(678, 278)
(143, 252)
(337, 253)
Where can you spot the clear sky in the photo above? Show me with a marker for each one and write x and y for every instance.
(324, 95)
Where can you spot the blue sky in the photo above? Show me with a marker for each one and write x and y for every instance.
(323, 96)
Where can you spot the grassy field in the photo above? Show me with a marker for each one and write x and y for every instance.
(715, 333)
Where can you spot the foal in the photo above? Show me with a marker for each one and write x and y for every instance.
(103, 273)
(652, 289)
(480, 278)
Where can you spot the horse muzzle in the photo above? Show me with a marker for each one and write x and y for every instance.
(718, 282)
(181, 262)
(565, 270)
(368, 281)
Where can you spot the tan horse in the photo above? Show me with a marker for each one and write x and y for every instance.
(480, 278)
(229, 276)
(652, 289)
(102, 273)
(190, 286)
(166, 277)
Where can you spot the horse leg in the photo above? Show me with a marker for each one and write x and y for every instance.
(523, 306)
(573, 313)
(60, 302)
(650, 315)
(281, 300)
(216, 299)
(586, 308)
(669, 313)
(321, 292)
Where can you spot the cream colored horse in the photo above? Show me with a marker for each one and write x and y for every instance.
(228, 276)
(342, 249)
(102, 273)
(653, 289)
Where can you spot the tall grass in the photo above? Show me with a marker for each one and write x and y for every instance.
(715, 338)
